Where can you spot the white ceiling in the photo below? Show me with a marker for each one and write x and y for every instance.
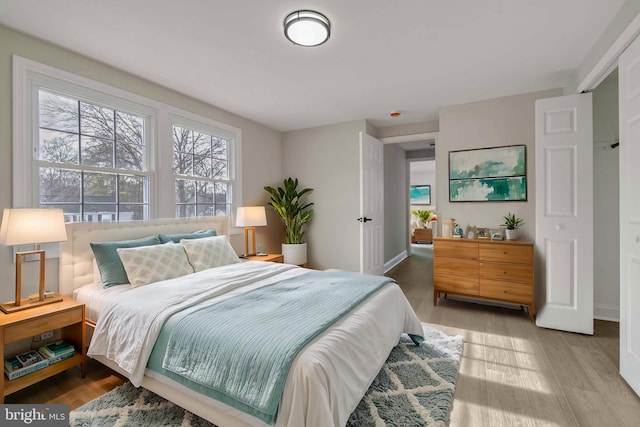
(413, 56)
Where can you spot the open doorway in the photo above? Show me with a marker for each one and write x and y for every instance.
(422, 201)
(606, 200)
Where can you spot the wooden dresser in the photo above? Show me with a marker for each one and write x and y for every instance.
(496, 270)
(422, 235)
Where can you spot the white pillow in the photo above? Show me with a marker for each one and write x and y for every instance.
(148, 264)
(209, 252)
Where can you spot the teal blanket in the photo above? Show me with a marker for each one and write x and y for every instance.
(241, 349)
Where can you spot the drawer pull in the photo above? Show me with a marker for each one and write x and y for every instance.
(505, 252)
(504, 272)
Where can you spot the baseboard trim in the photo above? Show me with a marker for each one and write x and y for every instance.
(606, 312)
(395, 261)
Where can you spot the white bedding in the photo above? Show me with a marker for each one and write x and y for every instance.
(327, 379)
(95, 297)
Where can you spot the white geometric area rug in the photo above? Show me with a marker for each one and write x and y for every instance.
(415, 388)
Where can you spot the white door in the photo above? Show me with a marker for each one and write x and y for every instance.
(564, 213)
(371, 205)
(629, 82)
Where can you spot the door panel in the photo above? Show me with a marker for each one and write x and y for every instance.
(564, 213)
(371, 205)
(629, 82)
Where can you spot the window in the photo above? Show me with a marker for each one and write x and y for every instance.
(103, 154)
(202, 171)
(90, 160)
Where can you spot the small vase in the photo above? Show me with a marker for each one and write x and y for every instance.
(511, 234)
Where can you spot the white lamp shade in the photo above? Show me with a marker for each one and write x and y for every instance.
(251, 216)
(31, 226)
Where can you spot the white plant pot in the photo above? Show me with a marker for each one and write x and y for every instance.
(511, 234)
(294, 254)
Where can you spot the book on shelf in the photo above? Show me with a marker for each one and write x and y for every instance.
(23, 364)
(55, 359)
(56, 349)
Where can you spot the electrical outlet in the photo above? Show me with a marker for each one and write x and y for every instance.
(46, 335)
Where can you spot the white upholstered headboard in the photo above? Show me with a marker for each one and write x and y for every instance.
(76, 256)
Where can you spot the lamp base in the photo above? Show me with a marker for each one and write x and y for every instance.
(25, 304)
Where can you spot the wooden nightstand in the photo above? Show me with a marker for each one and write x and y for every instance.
(66, 315)
(270, 257)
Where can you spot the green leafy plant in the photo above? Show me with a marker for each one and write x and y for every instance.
(512, 222)
(422, 215)
(287, 203)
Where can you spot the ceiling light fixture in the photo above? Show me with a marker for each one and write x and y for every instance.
(307, 28)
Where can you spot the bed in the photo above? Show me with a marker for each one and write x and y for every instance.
(327, 378)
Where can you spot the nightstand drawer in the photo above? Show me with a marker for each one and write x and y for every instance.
(456, 267)
(35, 326)
(455, 249)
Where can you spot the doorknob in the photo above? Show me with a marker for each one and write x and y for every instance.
(364, 219)
(559, 227)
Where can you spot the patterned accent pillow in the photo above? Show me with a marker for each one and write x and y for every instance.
(148, 264)
(209, 252)
(111, 269)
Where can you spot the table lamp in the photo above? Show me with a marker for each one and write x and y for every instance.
(250, 217)
(31, 227)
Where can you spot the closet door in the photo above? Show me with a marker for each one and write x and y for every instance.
(564, 213)
(629, 89)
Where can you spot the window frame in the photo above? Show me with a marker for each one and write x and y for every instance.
(213, 129)
(29, 75)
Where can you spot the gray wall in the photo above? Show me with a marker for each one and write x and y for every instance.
(396, 226)
(327, 159)
(490, 123)
(261, 146)
(606, 201)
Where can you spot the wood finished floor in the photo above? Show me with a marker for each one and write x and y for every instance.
(516, 374)
(512, 373)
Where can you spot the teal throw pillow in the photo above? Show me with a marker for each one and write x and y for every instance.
(175, 238)
(109, 263)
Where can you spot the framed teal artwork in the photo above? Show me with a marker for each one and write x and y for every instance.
(420, 194)
(496, 174)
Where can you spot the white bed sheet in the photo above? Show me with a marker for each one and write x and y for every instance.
(95, 297)
(329, 376)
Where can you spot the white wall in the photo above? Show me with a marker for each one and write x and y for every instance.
(396, 227)
(327, 159)
(261, 155)
(606, 201)
(490, 123)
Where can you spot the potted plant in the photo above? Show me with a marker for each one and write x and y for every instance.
(287, 202)
(512, 223)
(422, 215)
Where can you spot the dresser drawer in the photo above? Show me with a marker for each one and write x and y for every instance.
(518, 254)
(515, 292)
(456, 284)
(506, 272)
(456, 267)
(453, 249)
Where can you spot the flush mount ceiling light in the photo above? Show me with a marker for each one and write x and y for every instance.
(307, 28)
